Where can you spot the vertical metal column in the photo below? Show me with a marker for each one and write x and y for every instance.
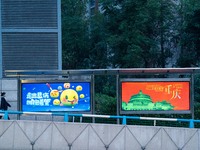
(59, 35)
(117, 93)
(192, 95)
(1, 51)
(19, 103)
(93, 97)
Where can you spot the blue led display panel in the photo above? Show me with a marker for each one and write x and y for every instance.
(56, 96)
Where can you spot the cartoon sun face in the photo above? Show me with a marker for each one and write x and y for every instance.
(56, 102)
(79, 88)
(54, 93)
(69, 97)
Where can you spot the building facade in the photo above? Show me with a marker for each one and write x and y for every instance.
(30, 35)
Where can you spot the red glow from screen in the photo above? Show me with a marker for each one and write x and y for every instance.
(176, 92)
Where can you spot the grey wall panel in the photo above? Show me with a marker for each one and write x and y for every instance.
(45, 135)
(29, 13)
(30, 51)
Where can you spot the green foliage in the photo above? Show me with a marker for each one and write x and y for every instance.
(197, 89)
(138, 32)
(189, 33)
(75, 34)
(106, 85)
(197, 110)
(98, 45)
(128, 33)
(105, 104)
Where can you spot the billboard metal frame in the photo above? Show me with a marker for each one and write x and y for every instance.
(56, 81)
(155, 111)
(117, 72)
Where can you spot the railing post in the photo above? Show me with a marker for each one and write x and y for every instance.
(5, 115)
(191, 123)
(66, 117)
(124, 120)
(154, 123)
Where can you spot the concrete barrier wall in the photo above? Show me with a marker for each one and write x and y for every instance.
(47, 135)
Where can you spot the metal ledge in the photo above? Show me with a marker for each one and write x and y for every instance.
(118, 71)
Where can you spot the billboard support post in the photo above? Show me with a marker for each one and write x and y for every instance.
(93, 98)
(192, 95)
(117, 97)
(18, 97)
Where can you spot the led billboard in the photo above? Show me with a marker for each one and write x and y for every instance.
(45, 96)
(155, 96)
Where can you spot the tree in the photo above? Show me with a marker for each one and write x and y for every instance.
(75, 34)
(189, 33)
(98, 45)
(138, 32)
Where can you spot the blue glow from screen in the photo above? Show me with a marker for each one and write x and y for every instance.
(60, 96)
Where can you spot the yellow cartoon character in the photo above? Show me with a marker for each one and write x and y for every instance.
(82, 96)
(69, 97)
(79, 88)
(56, 102)
(54, 93)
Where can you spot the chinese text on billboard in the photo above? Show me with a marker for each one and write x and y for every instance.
(158, 95)
(61, 96)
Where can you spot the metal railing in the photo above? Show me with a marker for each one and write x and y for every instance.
(123, 119)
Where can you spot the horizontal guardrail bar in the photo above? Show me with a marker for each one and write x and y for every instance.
(96, 116)
(161, 119)
(37, 113)
(124, 118)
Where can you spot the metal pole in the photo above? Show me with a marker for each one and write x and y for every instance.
(93, 98)
(1, 47)
(19, 103)
(192, 95)
(59, 35)
(191, 123)
(154, 123)
(66, 117)
(124, 120)
(117, 93)
(81, 118)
